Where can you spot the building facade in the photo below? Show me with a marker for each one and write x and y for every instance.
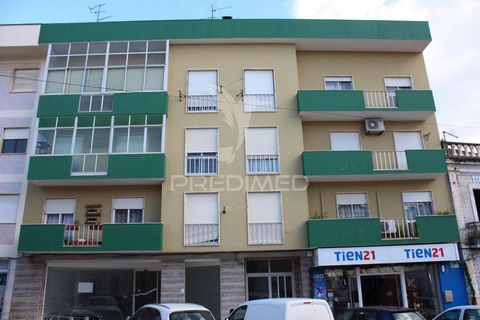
(217, 161)
(20, 62)
(463, 162)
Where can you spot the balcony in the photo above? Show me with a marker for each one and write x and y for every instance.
(354, 105)
(137, 169)
(461, 151)
(374, 231)
(471, 234)
(58, 238)
(364, 165)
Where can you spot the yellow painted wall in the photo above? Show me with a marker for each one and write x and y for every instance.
(34, 206)
(231, 60)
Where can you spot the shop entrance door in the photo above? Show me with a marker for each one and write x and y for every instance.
(202, 285)
(381, 290)
(147, 288)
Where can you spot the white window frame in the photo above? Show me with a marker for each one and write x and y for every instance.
(45, 214)
(338, 76)
(418, 191)
(186, 153)
(188, 86)
(105, 67)
(274, 89)
(281, 216)
(397, 76)
(3, 138)
(351, 205)
(270, 274)
(345, 131)
(246, 152)
(14, 76)
(218, 220)
(128, 210)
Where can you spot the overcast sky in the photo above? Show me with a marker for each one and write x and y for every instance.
(452, 59)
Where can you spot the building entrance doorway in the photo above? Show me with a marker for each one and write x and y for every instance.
(202, 284)
(382, 290)
(147, 288)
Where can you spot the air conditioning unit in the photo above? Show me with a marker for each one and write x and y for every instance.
(374, 126)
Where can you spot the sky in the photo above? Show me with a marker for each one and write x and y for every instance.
(452, 59)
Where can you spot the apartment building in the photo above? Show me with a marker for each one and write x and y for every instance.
(463, 163)
(20, 61)
(217, 161)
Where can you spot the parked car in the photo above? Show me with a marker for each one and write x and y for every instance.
(282, 309)
(379, 313)
(460, 313)
(73, 315)
(105, 306)
(172, 311)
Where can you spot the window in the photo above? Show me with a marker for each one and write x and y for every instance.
(202, 91)
(450, 315)
(238, 314)
(60, 211)
(417, 204)
(202, 152)
(106, 67)
(264, 218)
(8, 208)
(127, 210)
(406, 140)
(269, 279)
(393, 84)
(471, 314)
(341, 141)
(262, 150)
(25, 80)
(15, 140)
(96, 103)
(352, 205)
(259, 91)
(338, 83)
(201, 219)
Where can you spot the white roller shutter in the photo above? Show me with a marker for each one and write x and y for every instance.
(60, 206)
(264, 207)
(262, 141)
(8, 208)
(345, 141)
(398, 82)
(351, 198)
(202, 140)
(339, 79)
(15, 134)
(258, 82)
(201, 208)
(202, 82)
(424, 196)
(408, 140)
(127, 203)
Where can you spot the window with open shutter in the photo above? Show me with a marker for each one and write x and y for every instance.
(128, 210)
(352, 205)
(59, 211)
(15, 140)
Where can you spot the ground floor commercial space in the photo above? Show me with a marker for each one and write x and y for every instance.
(429, 278)
(7, 273)
(117, 285)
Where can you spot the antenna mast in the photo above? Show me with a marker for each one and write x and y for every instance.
(98, 10)
(213, 10)
(450, 134)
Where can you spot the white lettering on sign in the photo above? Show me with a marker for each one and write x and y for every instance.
(387, 254)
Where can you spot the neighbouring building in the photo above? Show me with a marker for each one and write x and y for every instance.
(217, 161)
(463, 162)
(20, 62)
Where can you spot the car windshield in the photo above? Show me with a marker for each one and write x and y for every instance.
(191, 315)
(407, 316)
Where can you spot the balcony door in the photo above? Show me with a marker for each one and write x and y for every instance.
(406, 140)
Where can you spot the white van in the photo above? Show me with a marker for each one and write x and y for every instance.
(282, 309)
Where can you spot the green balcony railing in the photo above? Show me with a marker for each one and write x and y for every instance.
(141, 237)
(371, 232)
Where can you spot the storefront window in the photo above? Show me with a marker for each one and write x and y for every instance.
(269, 279)
(422, 292)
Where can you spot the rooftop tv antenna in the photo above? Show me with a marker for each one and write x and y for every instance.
(450, 134)
(98, 11)
(213, 10)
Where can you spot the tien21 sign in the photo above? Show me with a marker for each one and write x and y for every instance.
(386, 254)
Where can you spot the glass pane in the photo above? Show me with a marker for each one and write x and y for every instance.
(115, 79)
(154, 79)
(118, 46)
(78, 48)
(102, 163)
(74, 81)
(96, 103)
(77, 163)
(156, 46)
(331, 85)
(136, 59)
(288, 289)
(275, 290)
(52, 218)
(121, 215)
(425, 209)
(63, 141)
(258, 288)
(84, 103)
(89, 165)
(135, 79)
(96, 61)
(345, 211)
(136, 140)
(93, 80)
(101, 139)
(136, 215)
(77, 61)
(138, 46)
(154, 139)
(120, 136)
(55, 81)
(67, 218)
(59, 49)
(99, 47)
(156, 58)
(410, 209)
(83, 141)
(256, 266)
(117, 59)
(58, 62)
(44, 141)
(107, 102)
(281, 265)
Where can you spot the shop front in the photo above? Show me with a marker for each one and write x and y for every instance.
(415, 276)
